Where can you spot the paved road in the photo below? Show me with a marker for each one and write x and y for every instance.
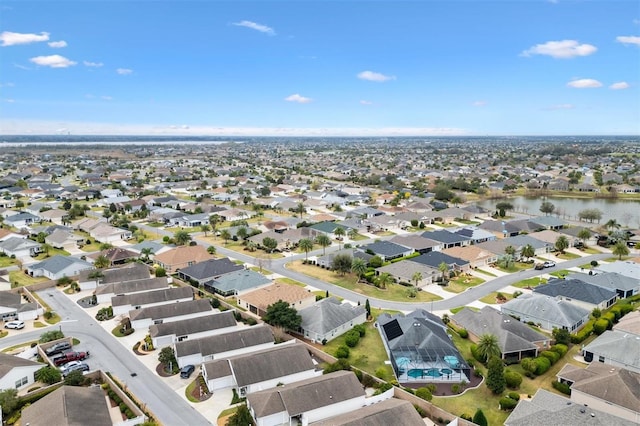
(108, 354)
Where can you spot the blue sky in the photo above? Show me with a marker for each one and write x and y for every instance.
(510, 67)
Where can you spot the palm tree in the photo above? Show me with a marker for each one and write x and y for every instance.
(384, 279)
(306, 245)
(181, 238)
(528, 251)
(145, 253)
(612, 224)
(510, 250)
(205, 228)
(488, 346)
(584, 235)
(226, 235)
(562, 243)
(352, 233)
(211, 250)
(359, 267)
(323, 241)
(620, 249)
(251, 245)
(339, 232)
(214, 219)
(300, 209)
(444, 268)
(101, 262)
(416, 277)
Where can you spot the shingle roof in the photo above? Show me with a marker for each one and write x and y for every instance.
(171, 310)
(388, 412)
(435, 258)
(133, 286)
(155, 296)
(610, 280)
(69, 406)
(385, 248)
(576, 289)
(211, 268)
(8, 362)
(618, 346)
(131, 272)
(265, 296)
(556, 311)
(240, 280)
(194, 325)
(415, 242)
(59, 263)
(328, 314)
(17, 243)
(219, 343)
(445, 236)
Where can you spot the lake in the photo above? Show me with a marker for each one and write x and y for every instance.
(626, 212)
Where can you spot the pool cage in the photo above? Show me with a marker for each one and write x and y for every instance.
(428, 364)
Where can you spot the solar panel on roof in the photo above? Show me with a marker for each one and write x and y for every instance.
(392, 329)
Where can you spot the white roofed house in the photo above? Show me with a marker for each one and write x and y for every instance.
(329, 318)
(106, 233)
(16, 372)
(58, 266)
(166, 334)
(21, 248)
(63, 239)
(124, 303)
(13, 306)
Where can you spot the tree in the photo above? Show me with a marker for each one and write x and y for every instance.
(510, 250)
(488, 346)
(495, 375)
(341, 263)
(584, 235)
(384, 280)
(562, 243)
(547, 207)
(225, 235)
(300, 209)
(8, 400)
(167, 357)
(145, 253)
(359, 267)
(561, 335)
(211, 250)
(242, 232)
(528, 251)
(181, 237)
(416, 277)
(323, 241)
(101, 262)
(339, 232)
(242, 417)
(205, 228)
(444, 268)
(270, 244)
(214, 219)
(281, 314)
(620, 249)
(75, 378)
(352, 233)
(503, 207)
(367, 307)
(48, 375)
(612, 224)
(479, 418)
(306, 245)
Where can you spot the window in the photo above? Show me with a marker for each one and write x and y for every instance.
(601, 358)
(22, 382)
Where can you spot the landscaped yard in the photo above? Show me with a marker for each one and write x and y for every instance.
(19, 279)
(393, 292)
(7, 261)
(567, 256)
(463, 282)
(530, 282)
(517, 266)
(491, 298)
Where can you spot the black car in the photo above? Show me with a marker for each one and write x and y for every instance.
(57, 348)
(186, 371)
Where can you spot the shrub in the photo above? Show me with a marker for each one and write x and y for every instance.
(553, 357)
(514, 395)
(582, 334)
(424, 393)
(600, 326)
(352, 338)
(463, 333)
(420, 411)
(562, 387)
(477, 373)
(381, 372)
(361, 329)
(215, 303)
(542, 365)
(476, 354)
(560, 349)
(342, 352)
(367, 381)
(507, 403)
(455, 388)
(513, 379)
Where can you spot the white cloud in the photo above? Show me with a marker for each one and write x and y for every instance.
(57, 44)
(375, 76)
(106, 98)
(92, 64)
(479, 103)
(124, 71)
(255, 26)
(619, 85)
(560, 106)
(628, 40)
(9, 101)
(563, 49)
(53, 61)
(297, 98)
(584, 83)
(363, 102)
(9, 38)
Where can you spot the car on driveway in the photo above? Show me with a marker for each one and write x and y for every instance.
(57, 348)
(68, 356)
(186, 371)
(16, 325)
(539, 266)
(73, 366)
(549, 264)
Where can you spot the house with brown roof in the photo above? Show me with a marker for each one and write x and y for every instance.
(90, 279)
(105, 292)
(259, 300)
(181, 257)
(116, 255)
(16, 372)
(383, 413)
(476, 256)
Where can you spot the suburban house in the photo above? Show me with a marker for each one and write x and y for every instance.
(627, 268)
(116, 255)
(547, 408)
(614, 390)
(124, 303)
(615, 348)
(12, 307)
(181, 257)
(197, 351)
(447, 239)
(143, 318)
(435, 258)
(475, 255)
(64, 239)
(90, 279)
(325, 261)
(329, 318)
(475, 234)
(105, 292)
(386, 250)
(417, 243)
(406, 272)
(237, 282)
(578, 292)
(384, 413)
(539, 247)
(260, 370)
(307, 401)
(548, 313)
(257, 301)
(168, 333)
(208, 270)
(420, 349)
(58, 266)
(21, 220)
(69, 405)
(106, 233)
(629, 323)
(287, 239)
(516, 340)
(21, 248)
(624, 285)
(16, 372)
(550, 237)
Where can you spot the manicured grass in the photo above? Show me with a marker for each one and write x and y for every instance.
(228, 412)
(456, 310)
(257, 269)
(590, 250)
(189, 390)
(394, 292)
(290, 281)
(529, 282)
(52, 252)
(7, 261)
(517, 266)
(482, 271)
(358, 237)
(491, 297)
(38, 324)
(53, 319)
(567, 256)
(21, 345)
(461, 283)
(3, 333)
(23, 279)
(94, 246)
(561, 273)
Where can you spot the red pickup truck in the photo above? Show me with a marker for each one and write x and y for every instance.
(66, 357)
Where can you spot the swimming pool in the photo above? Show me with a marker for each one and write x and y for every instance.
(422, 373)
(446, 371)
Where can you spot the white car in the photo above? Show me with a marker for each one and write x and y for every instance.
(16, 325)
(549, 264)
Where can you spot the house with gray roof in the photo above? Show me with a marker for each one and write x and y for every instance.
(22, 248)
(578, 292)
(435, 258)
(260, 370)
(519, 241)
(208, 270)
(105, 292)
(123, 303)
(144, 317)
(307, 401)
(547, 312)
(168, 333)
(614, 390)
(418, 243)
(197, 351)
(12, 307)
(64, 239)
(17, 373)
(135, 271)
(154, 246)
(500, 228)
(329, 318)
(22, 220)
(325, 261)
(448, 239)
(237, 282)
(329, 228)
(405, 272)
(550, 409)
(58, 266)
(627, 268)
(386, 250)
(616, 348)
(69, 406)
(516, 340)
(384, 413)
(475, 234)
(549, 222)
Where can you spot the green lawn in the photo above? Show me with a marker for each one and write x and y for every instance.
(393, 292)
(517, 266)
(491, 297)
(19, 279)
(567, 256)
(461, 283)
(560, 274)
(482, 271)
(590, 250)
(291, 282)
(529, 282)
(52, 252)
(94, 246)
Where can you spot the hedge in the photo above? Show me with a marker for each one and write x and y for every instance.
(507, 403)
(542, 365)
(582, 334)
(601, 326)
(560, 349)
(463, 333)
(562, 387)
(476, 354)
(512, 379)
(553, 357)
(514, 396)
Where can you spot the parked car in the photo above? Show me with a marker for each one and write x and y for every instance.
(186, 371)
(549, 264)
(68, 356)
(539, 266)
(57, 348)
(73, 366)
(16, 325)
